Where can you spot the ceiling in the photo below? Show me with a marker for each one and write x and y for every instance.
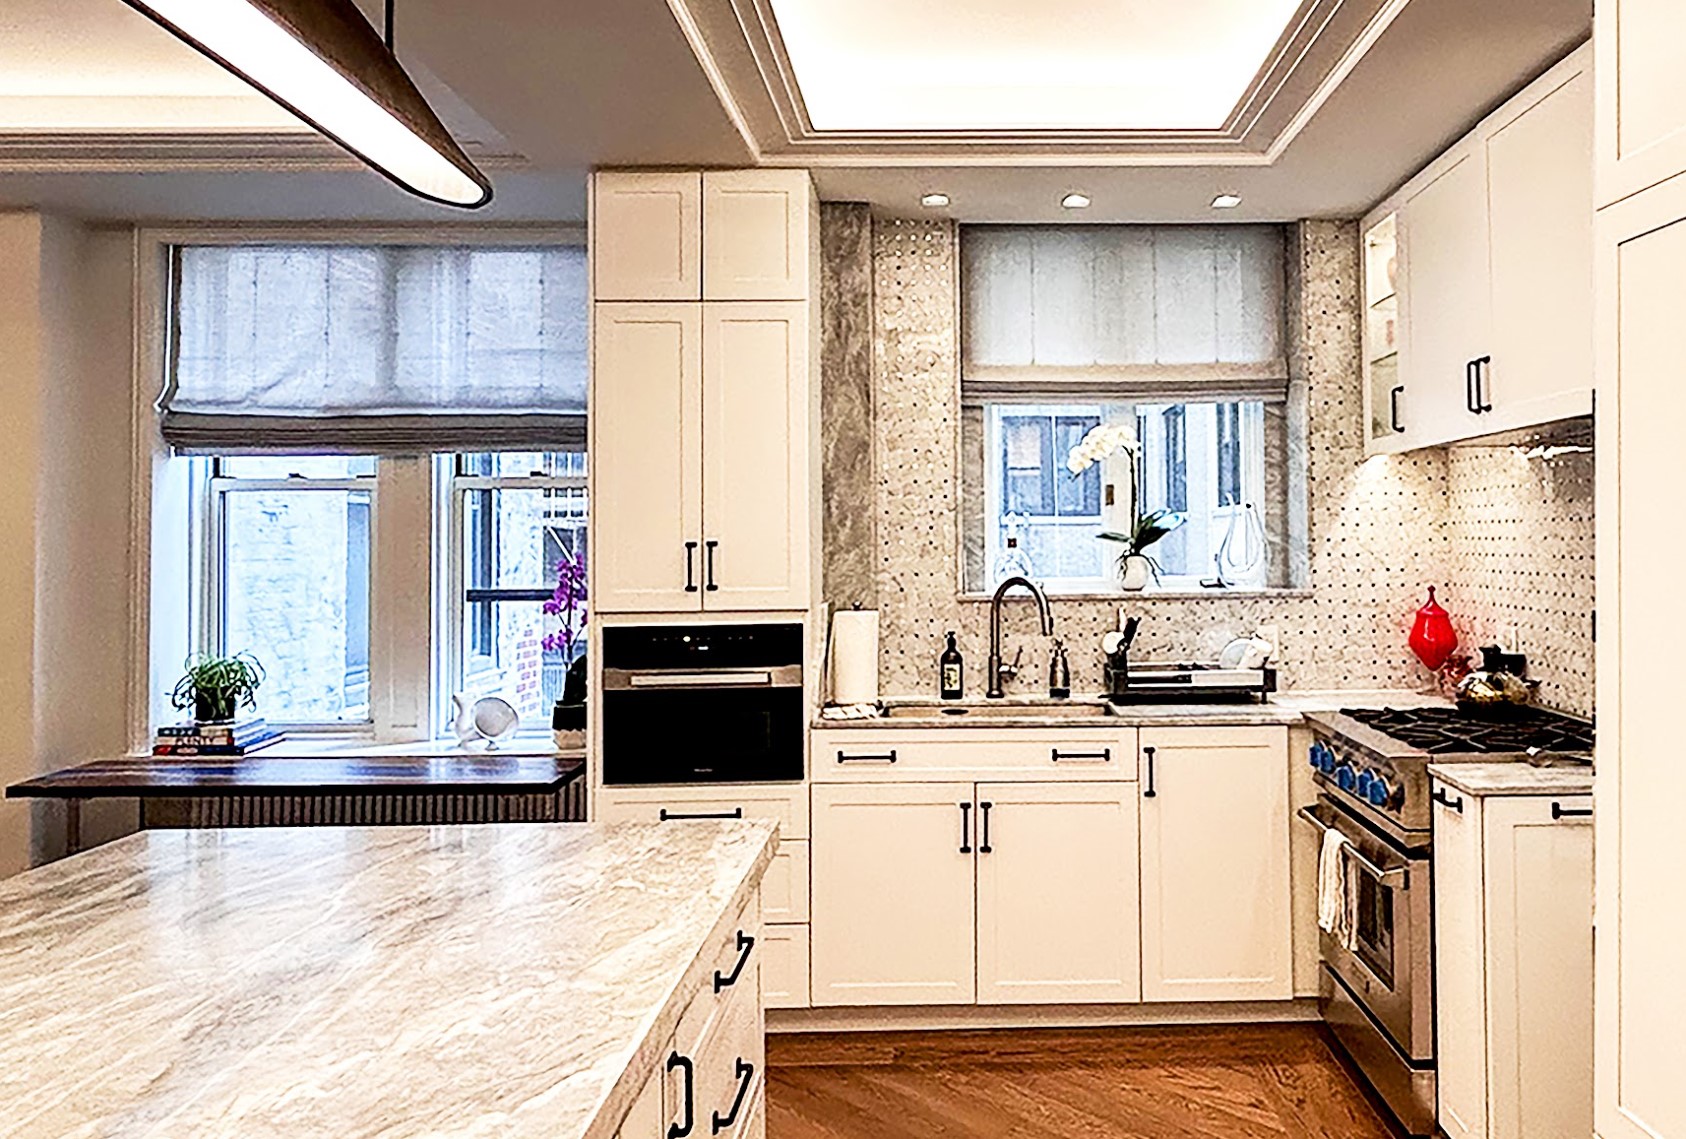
(1004, 64)
(103, 115)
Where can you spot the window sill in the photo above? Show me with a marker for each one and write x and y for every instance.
(1274, 594)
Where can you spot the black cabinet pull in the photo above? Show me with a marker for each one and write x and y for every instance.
(965, 828)
(1445, 800)
(983, 844)
(708, 564)
(1469, 387)
(1483, 382)
(1150, 793)
(672, 816)
(680, 1130)
(868, 757)
(1393, 407)
(1104, 755)
(1559, 811)
(690, 567)
(746, 1075)
(745, 944)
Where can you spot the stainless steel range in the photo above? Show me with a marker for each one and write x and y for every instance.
(1371, 768)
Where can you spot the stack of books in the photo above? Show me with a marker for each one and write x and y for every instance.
(239, 738)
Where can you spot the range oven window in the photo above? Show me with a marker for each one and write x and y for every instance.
(1374, 919)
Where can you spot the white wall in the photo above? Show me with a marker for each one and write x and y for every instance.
(66, 336)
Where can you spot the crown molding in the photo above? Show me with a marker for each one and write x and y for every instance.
(738, 45)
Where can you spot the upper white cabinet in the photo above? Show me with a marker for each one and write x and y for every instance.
(1483, 322)
(760, 235)
(703, 411)
(1641, 95)
(646, 236)
(1513, 964)
(1641, 845)
(1217, 910)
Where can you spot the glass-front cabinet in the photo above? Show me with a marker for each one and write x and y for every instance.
(1384, 394)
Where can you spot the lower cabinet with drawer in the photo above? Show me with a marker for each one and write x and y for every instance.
(712, 1080)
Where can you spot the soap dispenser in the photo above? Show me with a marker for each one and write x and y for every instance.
(1059, 673)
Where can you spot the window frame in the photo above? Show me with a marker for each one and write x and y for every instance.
(995, 489)
(452, 489)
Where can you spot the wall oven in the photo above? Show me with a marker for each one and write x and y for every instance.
(703, 704)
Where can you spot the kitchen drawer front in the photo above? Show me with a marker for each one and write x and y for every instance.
(784, 966)
(787, 803)
(784, 891)
(731, 1070)
(733, 978)
(939, 754)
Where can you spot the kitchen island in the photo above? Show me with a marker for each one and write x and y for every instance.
(406, 981)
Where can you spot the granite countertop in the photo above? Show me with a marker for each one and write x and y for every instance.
(397, 981)
(1090, 711)
(1513, 778)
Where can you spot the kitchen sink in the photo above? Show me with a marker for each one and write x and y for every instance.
(1041, 710)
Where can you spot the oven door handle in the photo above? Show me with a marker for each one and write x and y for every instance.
(1393, 879)
(624, 679)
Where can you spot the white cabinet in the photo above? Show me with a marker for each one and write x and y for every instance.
(784, 966)
(1493, 272)
(646, 236)
(1641, 844)
(760, 235)
(646, 457)
(892, 911)
(1513, 964)
(755, 415)
(703, 414)
(1446, 295)
(1217, 912)
(1058, 918)
(1641, 95)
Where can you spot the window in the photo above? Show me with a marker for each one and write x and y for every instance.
(519, 520)
(287, 579)
(1176, 332)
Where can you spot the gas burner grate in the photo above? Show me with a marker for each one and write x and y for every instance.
(1443, 731)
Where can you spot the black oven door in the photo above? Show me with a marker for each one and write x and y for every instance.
(743, 726)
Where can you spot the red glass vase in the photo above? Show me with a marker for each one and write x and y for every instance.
(1432, 637)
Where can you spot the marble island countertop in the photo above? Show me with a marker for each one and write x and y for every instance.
(416, 981)
(1093, 711)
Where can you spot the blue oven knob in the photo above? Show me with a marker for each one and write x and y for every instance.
(1365, 778)
(1326, 761)
(1314, 757)
(1378, 792)
(1345, 777)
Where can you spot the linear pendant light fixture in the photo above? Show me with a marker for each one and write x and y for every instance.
(324, 62)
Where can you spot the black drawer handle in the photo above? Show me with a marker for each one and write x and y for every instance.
(983, 846)
(1483, 382)
(868, 757)
(1559, 811)
(965, 828)
(1150, 793)
(668, 816)
(1104, 755)
(745, 944)
(746, 1076)
(1445, 800)
(680, 1130)
(1393, 407)
(690, 567)
(708, 559)
(1469, 388)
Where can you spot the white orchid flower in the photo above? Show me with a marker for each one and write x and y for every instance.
(1100, 442)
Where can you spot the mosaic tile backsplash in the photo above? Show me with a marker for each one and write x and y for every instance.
(1508, 540)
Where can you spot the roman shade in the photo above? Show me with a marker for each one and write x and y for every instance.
(386, 349)
(1122, 312)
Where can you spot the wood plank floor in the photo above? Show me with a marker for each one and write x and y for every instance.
(1240, 1082)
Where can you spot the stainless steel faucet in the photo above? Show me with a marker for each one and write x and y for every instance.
(997, 671)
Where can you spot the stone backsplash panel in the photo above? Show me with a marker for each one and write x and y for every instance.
(1379, 531)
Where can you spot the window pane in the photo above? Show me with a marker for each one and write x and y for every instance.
(522, 464)
(1075, 494)
(515, 537)
(515, 663)
(1027, 457)
(296, 596)
(300, 466)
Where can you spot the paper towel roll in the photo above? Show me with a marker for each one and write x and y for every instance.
(854, 656)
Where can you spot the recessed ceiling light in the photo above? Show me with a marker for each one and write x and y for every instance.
(934, 201)
(1075, 201)
(1226, 201)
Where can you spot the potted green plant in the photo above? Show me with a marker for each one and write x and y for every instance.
(1136, 567)
(214, 687)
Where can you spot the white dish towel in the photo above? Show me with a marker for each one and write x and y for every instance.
(1334, 899)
